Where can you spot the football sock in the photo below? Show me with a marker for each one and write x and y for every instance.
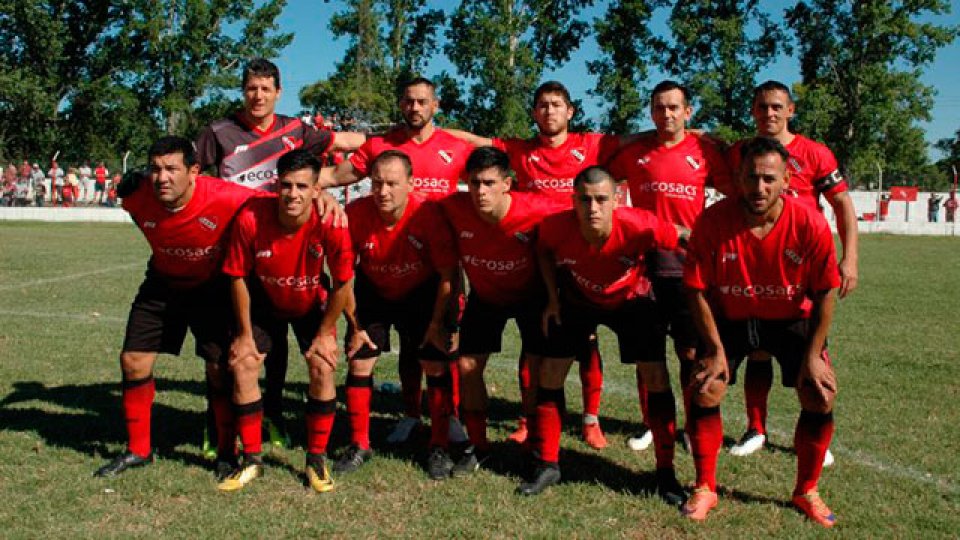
(439, 398)
(811, 441)
(523, 373)
(591, 380)
(249, 421)
(756, 387)
(410, 375)
(454, 387)
(705, 427)
(222, 407)
(549, 423)
(137, 403)
(644, 399)
(476, 423)
(359, 389)
(663, 424)
(320, 415)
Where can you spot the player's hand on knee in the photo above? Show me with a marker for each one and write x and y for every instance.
(711, 370)
(243, 349)
(323, 350)
(358, 340)
(817, 384)
(437, 337)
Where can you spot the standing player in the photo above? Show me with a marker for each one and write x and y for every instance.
(761, 271)
(546, 165)
(667, 175)
(244, 148)
(100, 185)
(591, 259)
(276, 255)
(438, 160)
(495, 231)
(813, 172)
(407, 269)
(184, 217)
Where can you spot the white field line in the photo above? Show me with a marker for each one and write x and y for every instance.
(69, 277)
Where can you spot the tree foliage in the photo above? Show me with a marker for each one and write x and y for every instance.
(861, 91)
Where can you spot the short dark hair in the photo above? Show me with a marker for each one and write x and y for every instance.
(552, 87)
(172, 144)
(387, 155)
(486, 157)
(668, 85)
(296, 160)
(771, 86)
(761, 146)
(594, 175)
(260, 67)
(402, 87)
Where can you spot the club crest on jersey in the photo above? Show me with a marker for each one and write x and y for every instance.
(578, 154)
(149, 224)
(413, 240)
(446, 156)
(315, 250)
(466, 234)
(792, 255)
(522, 236)
(794, 163)
(693, 163)
(264, 254)
(288, 142)
(210, 223)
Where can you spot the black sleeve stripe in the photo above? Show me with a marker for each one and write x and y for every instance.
(828, 181)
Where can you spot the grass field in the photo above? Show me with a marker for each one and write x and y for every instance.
(64, 294)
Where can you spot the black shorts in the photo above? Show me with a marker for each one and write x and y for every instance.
(268, 329)
(482, 324)
(635, 323)
(160, 316)
(674, 312)
(410, 316)
(785, 340)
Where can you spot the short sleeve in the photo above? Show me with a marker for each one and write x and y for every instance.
(240, 244)
(698, 266)
(362, 157)
(340, 254)
(317, 141)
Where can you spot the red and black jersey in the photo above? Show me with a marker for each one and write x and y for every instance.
(549, 171)
(287, 265)
(773, 277)
(399, 258)
(813, 170)
(612, 274)
(500, 258)
(248, 156)
(187, 243)
(438, 162)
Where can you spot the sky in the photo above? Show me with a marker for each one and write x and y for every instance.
(312, 56)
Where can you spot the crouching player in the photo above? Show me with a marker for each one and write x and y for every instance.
(592, 262)
(761, 270)
(406, 273)
(184, 217)
(275, 257)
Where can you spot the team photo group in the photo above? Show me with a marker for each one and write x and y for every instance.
(460, 233)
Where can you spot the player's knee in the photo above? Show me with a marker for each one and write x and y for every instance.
(136, 365)
(654, 376)
(713, 396)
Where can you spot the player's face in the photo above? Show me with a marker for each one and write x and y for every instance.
(762, 180)
(670, 112)
(172, 180)
(390, 186)
(488, 190)
(297, 189)
(552, 114)
(260, 96)
(772, 111)
(417, 105)
(594, 204)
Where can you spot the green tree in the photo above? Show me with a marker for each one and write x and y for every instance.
(861, 91)
(502, 48)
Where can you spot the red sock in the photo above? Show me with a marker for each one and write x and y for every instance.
(756, 387)
(226, 426)
(811, 441)
(137, 403)
(249, 422)
(591, 380)
(549, 423)
(476, 422)
(359, 390)
(410, 375)
(455, 388)
(439, 397)
(663, 424)
(705, 427)
(644, 400)
(320, 415)
(523, 373)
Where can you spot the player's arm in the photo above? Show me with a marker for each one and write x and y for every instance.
(815, 371)
(548, 270)
(712, 361)
(846, 217)
(438, 334)
(348, 141)
(324, 345)
(343, 174)
(243, 345)
(471, 138)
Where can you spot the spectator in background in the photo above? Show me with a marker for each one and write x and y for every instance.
(86, 183)
(38, 182)
(9, 185)
(100, 185)
(112, 192)
(71, 188)
(55, 174)
(950, 207)
(933, 207)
